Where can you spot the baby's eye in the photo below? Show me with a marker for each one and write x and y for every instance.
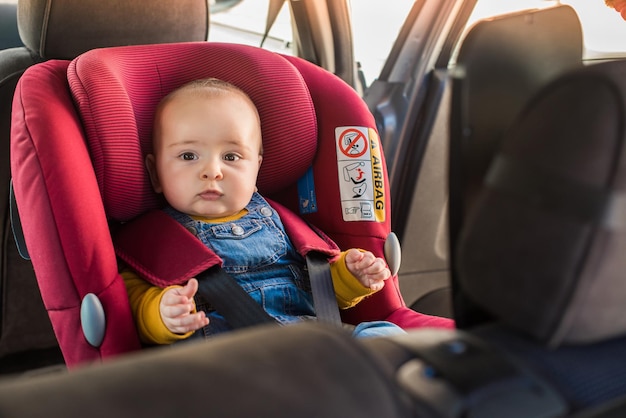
(231, 157)
(188, 156)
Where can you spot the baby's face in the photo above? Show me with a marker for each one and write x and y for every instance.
(207, 154)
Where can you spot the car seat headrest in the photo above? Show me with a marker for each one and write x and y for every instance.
(543, 249)
(63, 29)
(117, 90)
(502, 62)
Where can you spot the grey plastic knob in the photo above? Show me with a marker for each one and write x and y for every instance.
(92, 319)
(393, 253)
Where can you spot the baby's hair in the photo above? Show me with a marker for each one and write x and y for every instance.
(208, 87)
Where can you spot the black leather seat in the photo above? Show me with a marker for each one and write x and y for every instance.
(501, 64)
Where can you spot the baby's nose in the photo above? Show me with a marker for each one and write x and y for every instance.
(211, 171)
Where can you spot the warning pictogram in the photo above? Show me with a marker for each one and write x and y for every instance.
(352, 143)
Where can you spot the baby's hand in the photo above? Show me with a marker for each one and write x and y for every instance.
(371, 271)
(177, 308)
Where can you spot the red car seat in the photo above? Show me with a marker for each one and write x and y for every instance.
(79, 136)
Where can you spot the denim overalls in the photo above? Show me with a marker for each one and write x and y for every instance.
(257, 252)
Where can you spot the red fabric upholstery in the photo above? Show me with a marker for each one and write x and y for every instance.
(63, 218)
(148, 250)
(77, 167)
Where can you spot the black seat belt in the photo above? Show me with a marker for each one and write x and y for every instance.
(324, 299)
(240, 310)
(225, 295)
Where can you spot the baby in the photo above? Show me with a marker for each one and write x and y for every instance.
(207, 155)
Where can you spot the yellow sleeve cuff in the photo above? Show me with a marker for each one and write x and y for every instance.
(348, 290)
(145, 300)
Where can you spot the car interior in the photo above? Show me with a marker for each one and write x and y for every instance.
(534, 233)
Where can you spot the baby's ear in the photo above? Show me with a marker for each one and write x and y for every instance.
(152, 172)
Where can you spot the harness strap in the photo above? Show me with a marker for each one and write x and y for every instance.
(326, 308)
(229, 299)
(161, 250)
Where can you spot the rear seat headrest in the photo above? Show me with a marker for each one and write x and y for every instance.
(63, 29)
(543, 249)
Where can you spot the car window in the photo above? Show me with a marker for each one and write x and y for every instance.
(244, 23)
(9, 37)
(373, 39)
(604, 30)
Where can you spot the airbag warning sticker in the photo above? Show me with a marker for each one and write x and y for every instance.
(361, 181)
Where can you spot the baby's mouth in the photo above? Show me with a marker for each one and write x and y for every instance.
(211, 194)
